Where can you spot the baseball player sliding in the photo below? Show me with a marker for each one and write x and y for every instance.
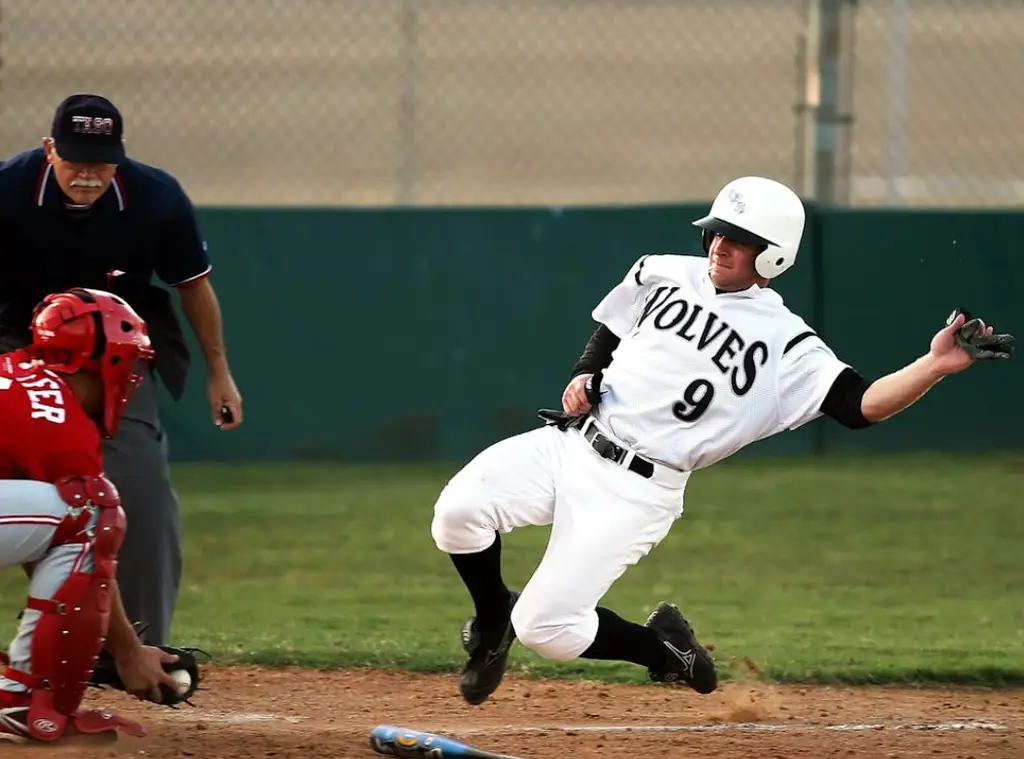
(61, 519)
(693, 359)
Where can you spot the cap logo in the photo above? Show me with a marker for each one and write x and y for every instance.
(92, 125)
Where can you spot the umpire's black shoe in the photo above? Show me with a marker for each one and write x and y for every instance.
(488, 658)
(686, 660)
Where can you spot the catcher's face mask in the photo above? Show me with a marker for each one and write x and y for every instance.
(97, 332)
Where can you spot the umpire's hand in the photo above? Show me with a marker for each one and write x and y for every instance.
(225, 400)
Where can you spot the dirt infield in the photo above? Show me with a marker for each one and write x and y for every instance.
(258, 714)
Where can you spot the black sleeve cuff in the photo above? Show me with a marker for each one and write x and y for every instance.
(844, 398)
(597, 354)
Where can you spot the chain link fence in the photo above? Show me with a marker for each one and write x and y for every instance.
(551, 102)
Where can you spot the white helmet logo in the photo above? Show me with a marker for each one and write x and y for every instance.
(738, 204)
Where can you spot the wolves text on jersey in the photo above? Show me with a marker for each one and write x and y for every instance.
(733, 356)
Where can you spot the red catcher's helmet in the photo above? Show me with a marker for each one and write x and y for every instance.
(98, 332)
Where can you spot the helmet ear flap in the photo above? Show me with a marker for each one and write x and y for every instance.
(770, 263)
(706, 237)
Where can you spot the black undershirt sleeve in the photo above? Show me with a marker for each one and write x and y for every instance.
(844, 398)
(597, 354)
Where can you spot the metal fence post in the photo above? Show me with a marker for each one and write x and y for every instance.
(406, 185)
(827, 120)
(896, 102)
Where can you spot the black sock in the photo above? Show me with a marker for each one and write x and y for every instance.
(620, 640)
(481, 572)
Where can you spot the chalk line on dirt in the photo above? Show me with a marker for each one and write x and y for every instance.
(728, 727)
(244, 718)
(238, 718)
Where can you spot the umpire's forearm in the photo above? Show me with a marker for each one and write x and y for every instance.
(894, 392)
(202, 309)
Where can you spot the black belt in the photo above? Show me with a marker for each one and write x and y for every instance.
(609, 450)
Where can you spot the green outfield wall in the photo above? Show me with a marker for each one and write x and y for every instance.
(370, 335)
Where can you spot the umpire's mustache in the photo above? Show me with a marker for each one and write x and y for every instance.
(91, 184)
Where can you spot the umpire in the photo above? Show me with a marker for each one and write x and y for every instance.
(77, 212)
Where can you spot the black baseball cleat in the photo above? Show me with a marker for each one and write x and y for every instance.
(686, 660)
(488, 658)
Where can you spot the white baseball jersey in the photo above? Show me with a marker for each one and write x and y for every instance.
(699, 375)
(696, 376)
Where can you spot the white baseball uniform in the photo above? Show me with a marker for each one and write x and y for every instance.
(696, 377)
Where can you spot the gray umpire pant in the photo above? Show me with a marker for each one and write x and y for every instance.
(149, 563)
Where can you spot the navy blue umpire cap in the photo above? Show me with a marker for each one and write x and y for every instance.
(88, 129)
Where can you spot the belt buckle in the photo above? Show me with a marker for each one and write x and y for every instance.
(607, 449)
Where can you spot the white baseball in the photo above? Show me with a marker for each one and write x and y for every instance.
(183, 679)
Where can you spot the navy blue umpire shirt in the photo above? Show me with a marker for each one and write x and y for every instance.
(144, 224)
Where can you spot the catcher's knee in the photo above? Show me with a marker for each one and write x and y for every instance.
(95, 520)
(551, 632)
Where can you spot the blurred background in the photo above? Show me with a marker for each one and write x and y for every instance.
(420, 201)
(551, 102)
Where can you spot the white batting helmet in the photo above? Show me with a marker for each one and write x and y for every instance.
(758, 211)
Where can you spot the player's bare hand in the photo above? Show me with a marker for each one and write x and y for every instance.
(947, 355)
(142, 672)
(224, 395)
(574, 397)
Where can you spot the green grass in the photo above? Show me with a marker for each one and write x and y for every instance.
(864, 570)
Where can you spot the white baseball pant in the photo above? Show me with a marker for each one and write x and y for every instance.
(29, 515)
(604, 519)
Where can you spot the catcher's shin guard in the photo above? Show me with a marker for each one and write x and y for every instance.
(73, 624)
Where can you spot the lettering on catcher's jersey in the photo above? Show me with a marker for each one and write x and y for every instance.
(45, 396)
(698, 375)
(47, 433)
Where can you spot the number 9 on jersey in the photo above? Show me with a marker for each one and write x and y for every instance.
(696, 399)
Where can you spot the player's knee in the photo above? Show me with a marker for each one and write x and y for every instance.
(458, 526)
(548, 632)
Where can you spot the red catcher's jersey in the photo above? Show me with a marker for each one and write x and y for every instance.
(44, 432)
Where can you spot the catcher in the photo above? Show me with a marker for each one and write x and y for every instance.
(61, 519)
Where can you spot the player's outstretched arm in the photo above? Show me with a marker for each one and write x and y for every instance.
(895, 392)
(946, 355)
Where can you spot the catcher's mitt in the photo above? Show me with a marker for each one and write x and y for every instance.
(105, 674)
(977, 345)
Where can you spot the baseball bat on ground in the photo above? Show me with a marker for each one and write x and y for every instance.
(405, 742)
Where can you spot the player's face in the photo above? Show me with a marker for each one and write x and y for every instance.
(83, 183)
(731, 264)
